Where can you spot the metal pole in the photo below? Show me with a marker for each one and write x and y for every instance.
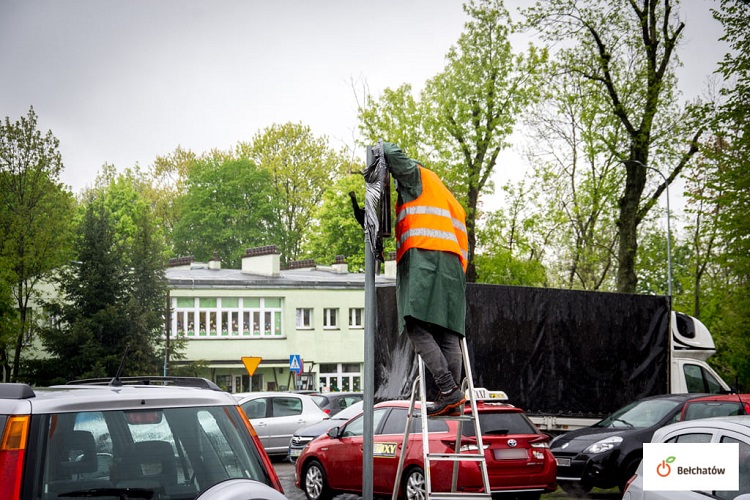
(369, 375)
(669, 231)
(168, 331)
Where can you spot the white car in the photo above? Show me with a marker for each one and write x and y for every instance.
(710, 430)
(276, 415)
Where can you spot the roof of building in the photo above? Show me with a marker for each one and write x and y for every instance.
(292, 278)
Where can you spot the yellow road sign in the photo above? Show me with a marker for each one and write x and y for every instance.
(251, 363)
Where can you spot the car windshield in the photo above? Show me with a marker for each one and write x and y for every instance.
(174, 453)
(640, 414)
(501, 423)
(707, 409)
(350, 411)
(321, 401)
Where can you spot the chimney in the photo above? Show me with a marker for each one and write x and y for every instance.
(340, 266)
(264, 261)
(215, 263)
(390, 266)
(182, 262)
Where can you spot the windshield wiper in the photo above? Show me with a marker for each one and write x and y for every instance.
(121, 493)
(630, 426)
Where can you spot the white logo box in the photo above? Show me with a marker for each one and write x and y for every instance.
(690, 466)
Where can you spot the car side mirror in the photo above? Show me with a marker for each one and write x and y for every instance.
(334, 432)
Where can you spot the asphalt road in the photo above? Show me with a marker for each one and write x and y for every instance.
(285, 471)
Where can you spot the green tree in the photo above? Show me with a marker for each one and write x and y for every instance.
(467, 112)
(511, 245)
(577, 180)
(302, 166)
(730, 322)
(35, 213)
(114, 294)
(166, 182)
(229, 205)
(88, 341)
(628, 49)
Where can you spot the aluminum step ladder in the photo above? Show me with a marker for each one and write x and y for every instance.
(467, 387)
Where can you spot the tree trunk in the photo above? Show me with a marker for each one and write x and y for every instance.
(627, 225)
(471, 233)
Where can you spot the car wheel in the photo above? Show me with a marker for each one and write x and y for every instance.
(630, 470)
(574, 488)
(315, 483)
(414, 484)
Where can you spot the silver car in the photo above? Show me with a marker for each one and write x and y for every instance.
(131, 437)
(276, 415)
(709, 430)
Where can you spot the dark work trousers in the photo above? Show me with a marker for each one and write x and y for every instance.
(440, 349)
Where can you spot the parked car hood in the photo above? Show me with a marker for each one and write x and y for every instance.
(578, 440)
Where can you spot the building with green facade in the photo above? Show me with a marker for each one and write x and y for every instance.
(308, 311)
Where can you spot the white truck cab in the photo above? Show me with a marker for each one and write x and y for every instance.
(692, 345)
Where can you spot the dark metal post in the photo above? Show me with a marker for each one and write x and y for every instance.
(369, 375)
(168, 331)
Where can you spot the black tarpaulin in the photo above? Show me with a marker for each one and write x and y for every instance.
(559, 352)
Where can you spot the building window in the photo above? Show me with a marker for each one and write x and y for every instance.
(340, 377)
(216, 317)
(356, 317)
(330, 318)
(304, 318)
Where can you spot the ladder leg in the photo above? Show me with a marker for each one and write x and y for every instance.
(469, 381)
(405, 442)
(425, 430)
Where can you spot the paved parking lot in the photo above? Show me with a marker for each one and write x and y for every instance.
(285, 471)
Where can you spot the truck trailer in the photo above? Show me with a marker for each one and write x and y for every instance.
(567, 357)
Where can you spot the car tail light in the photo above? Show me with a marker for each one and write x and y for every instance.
(12, 453)
(543, 444)
(262, 452)
(466, 445)
(327, 411)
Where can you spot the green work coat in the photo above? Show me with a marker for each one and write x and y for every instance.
(430, 285)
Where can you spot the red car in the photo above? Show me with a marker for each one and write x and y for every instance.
(716, 405)
(517, 453)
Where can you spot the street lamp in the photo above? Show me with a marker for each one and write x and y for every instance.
(669, 232)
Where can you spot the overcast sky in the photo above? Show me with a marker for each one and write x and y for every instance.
(124, 81)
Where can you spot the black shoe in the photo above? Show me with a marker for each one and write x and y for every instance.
(449, 405)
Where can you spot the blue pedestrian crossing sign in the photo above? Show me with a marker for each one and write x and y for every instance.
(295, 363)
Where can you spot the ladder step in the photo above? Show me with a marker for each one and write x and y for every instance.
(464, 418)
(458, 495)
(456, 457)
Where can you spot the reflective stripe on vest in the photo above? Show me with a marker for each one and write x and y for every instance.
(432, 221)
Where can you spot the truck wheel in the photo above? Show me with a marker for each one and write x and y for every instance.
(574, 488)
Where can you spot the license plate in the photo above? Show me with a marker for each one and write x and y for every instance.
(511, 454)
(563, 462)
(295, 453)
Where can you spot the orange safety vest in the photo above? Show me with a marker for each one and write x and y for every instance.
(435, 220)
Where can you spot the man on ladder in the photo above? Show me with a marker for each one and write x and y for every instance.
(432, 252)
